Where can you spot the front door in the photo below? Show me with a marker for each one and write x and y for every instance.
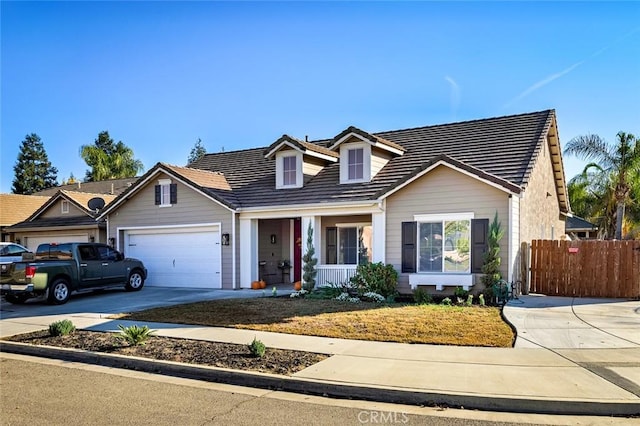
(297, 249)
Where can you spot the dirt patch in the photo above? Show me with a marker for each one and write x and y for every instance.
(225, 355)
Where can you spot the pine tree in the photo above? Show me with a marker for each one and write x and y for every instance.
(33, 170)
(309, 263)
(197, 152)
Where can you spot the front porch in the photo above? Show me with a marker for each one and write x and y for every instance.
(272, 248)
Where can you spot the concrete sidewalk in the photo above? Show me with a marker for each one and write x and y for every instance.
(604, 381)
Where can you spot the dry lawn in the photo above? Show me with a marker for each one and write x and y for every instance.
(430, 324)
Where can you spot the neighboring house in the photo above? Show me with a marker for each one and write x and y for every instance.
(580, 229)
(67, 216)
(15, 208)
(107, 187)
(419, 199)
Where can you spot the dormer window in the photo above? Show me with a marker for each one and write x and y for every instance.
(288, 169)
(355, 163)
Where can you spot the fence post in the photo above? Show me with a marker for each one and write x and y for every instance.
(525, 261)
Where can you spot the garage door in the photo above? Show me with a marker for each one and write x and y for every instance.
(34, 242)
(185, 258)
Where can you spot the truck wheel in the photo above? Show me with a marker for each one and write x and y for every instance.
(15, 299)
(59, 292)
(135, 282)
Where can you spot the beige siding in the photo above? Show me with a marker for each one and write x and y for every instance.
(192, 208)
(55, 210)
(442, 190)
(379, 159)
(539, 209)
(312, 166)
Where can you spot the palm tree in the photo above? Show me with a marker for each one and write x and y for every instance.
(109, 160)
(618, 165)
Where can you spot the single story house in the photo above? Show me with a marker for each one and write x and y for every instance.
(581, 229)
(14, 208)
(420, 199)
(66, 216)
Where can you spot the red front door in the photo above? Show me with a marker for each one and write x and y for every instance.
(297, 250)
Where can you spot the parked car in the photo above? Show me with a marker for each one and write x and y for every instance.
(11, 252)
(57, 270)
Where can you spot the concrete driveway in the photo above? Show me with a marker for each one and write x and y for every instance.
(574, 323)
(37, 314)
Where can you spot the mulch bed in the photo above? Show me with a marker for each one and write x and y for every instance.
(225, 355)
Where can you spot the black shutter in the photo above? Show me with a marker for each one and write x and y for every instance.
(157, 188)
(173, 193)
(332, 246)
(409, 241)
(479, 243)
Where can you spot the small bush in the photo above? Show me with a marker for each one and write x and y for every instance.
(421, 297)
(376, 278)
(373, 297)
(257, 348)
(135, 335)
(460, 292)
(469, 301)
(446, 301)
(61, 328)
(481, 299)
(346, 297)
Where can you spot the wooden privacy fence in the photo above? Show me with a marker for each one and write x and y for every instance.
(585, 268)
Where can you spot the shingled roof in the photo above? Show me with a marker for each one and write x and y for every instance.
(105, 187)
(503, 149)
(15, 208)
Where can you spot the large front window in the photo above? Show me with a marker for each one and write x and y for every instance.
(289, 170)
(349, 245)
(444, 246)
(356, 163)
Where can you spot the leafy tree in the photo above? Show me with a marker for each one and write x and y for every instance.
(617, 166)
(197, 152)
(309, 263)
(109, 160)
(33, 170)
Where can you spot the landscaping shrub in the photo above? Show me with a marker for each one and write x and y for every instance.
(460, 292)
(376, 278)
(421, 297)
(446, 301)
(257, 348)
(61, 328)
(135, 335)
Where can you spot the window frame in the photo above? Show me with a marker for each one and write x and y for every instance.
(280, 169)
(345, 150)
(359, 227)
(442, 219)
(64, 206)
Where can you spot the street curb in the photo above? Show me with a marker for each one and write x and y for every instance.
(327, 389)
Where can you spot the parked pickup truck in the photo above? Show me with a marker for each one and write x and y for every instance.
(57, 270)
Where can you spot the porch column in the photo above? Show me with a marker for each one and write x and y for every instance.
(248, 252)
(379, 235)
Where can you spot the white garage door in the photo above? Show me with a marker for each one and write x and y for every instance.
(34, 242)
(188, 257)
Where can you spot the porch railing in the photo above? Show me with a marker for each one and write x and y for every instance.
(336, 274)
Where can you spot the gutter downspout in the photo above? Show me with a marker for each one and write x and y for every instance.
(233, 248)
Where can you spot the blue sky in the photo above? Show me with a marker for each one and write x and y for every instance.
(159, 75)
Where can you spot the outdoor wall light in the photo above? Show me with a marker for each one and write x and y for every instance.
(225, 239)
(273, 238)
(112, 242)
(92, 239)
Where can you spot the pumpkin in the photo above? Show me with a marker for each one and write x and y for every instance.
(255, 285)
(263, 284)
(297, 286)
